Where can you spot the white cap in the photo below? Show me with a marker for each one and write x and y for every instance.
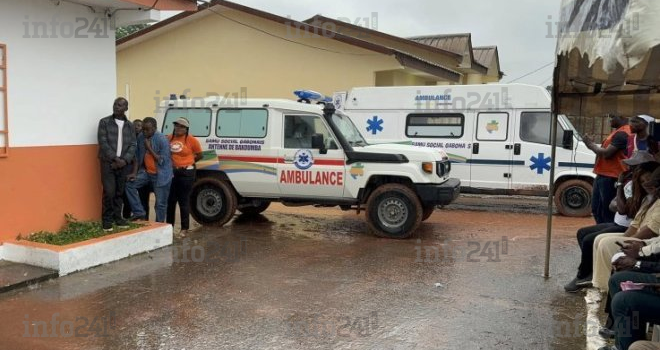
(648, 118)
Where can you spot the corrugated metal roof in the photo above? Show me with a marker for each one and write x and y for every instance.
(484, 55)
(456, 43)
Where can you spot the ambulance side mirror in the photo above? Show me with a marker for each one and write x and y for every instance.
(567, 142)
(318, 143)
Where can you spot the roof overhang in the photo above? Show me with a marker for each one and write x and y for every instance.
(427, 67)
(404, 59)
(172, 5)
(358, 31)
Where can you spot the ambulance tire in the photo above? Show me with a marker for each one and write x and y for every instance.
(573, 198)
(427, 212)
(212, 202)
(394, 211)
(255, 209)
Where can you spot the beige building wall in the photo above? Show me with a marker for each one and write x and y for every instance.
(212, 55)
(474, 79)
(399, 78)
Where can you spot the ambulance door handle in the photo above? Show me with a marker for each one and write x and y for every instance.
(288, 159)
(475, 148)
(516, 149)
(508, 146)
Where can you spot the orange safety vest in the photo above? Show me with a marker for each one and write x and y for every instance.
(612, 166)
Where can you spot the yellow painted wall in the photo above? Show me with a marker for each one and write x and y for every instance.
(213, 55)
(398, 78)
(475, 79)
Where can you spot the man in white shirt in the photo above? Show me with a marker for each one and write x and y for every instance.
(117, 145)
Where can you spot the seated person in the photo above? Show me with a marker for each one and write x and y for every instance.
(628, 201)
(645, 345)
(297, 133)
(640, 264)
(646, 225)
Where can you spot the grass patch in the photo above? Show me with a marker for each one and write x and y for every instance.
(75, 231)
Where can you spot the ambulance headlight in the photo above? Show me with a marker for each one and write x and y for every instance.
(428, 167)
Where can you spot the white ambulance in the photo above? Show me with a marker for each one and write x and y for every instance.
(262, 151)
(496, 136)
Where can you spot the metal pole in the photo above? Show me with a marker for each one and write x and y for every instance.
(553, 153)
(551, 185)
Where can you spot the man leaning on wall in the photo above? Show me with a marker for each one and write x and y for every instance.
(117, 144)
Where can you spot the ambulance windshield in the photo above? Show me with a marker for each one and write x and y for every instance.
(570, 126)
(348, 129)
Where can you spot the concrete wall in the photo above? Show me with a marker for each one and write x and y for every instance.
(59, 86)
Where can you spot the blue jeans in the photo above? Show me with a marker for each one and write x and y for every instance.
(603, 193)
(161, 193)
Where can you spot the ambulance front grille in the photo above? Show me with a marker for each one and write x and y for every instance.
(443, 168)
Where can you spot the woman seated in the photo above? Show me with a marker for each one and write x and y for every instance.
(628, 200)
(646, 225)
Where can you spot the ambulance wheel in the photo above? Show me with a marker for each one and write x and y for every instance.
(212, 202)
(428, 210)
(255, 209)
(393, 211)
(573, 198)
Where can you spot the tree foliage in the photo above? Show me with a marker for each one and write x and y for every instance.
(128, 30)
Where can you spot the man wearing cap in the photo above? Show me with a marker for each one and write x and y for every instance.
(641, 140)
(186, 151)
(608, 167)
(153, 166)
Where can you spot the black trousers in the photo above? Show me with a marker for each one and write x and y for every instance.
(586, 237)
(114, 183)
(144, 193)
(180, 193)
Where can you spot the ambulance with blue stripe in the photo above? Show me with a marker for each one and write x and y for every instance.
(263, 151)
(497, 136)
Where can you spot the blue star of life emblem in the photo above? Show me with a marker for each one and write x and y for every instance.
(303, 159)
(540, 163)
(374, 125)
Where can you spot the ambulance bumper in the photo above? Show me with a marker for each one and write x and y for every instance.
(439, 194)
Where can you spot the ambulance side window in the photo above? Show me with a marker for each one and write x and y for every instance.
(298, 131)
(199, 118)
(535, 127)
(449, 125)
(237, 122)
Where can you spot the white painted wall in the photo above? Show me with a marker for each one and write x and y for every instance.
(60, 87)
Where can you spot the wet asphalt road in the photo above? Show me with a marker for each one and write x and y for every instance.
(312, 278)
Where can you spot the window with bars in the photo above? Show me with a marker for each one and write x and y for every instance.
(4, 130)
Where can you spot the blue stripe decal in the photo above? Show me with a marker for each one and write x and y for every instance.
(496, 162)
(521, 163)
(576, 165)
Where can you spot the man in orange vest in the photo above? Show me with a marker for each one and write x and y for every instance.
(608, 167)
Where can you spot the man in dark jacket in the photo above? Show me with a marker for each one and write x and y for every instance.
(117, 144)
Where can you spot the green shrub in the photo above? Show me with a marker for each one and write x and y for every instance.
(75, 231)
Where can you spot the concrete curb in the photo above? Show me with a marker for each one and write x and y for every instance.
(94, 252)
